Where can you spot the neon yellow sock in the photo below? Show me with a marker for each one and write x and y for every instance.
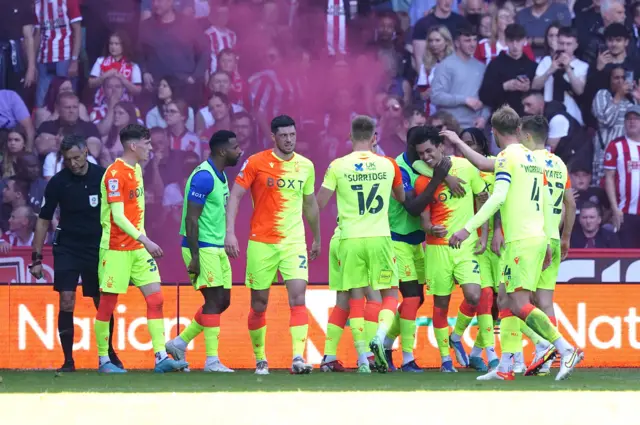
(334, 334)
(385, 320)
(156, 329)
(101, 330)
(465, 316)
(299, 339)
(258, 337)
(370, 329)
(357, 330)
(211, 336)
(540, 324)
(534, 337)
(192, 330)
(394, 330)
(442, 338)
(510, 335)
(485, 337)
(408, 333)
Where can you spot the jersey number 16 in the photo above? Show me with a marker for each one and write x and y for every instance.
(365, 206)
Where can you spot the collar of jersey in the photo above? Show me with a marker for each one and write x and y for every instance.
(125, 163)
(280, 159)
(221, 175)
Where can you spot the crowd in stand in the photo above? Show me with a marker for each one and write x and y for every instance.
(187, 68)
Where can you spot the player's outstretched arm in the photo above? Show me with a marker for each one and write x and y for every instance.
(569, 221)
(311, 212)
(480, 161)
(230, 240)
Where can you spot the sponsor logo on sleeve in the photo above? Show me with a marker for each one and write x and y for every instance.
(113, 185)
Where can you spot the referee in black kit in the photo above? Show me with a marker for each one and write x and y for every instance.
(76, 241)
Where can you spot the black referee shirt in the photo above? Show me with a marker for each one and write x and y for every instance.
(79, 201)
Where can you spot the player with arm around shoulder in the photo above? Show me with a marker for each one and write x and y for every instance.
(363, 183)
(445, 265)
(518, 192)
(203, 229)
(126, 253)
(282, 188)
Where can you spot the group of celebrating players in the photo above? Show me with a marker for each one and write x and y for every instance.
(386, 209)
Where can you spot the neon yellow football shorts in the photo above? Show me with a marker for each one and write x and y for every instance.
(368, 261)
(549, 276)
(410, 262)
(445, 263)
(117, 268)
(490, 269)
(215, 269)
(522, 260)
(264, 260)
(335, 273)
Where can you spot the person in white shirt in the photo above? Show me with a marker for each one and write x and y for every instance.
(166, 91)
(180, 138)
(563, 76)
(21, 226)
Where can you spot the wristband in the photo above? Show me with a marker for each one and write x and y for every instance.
(36, 256)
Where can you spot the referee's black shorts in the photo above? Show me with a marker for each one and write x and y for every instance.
(71, 264)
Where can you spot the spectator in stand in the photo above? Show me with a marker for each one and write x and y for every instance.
(219, 35)
(457, 81)
(611, 11)
(102, 116)
(396, 143)
(220, 82)
(13, 111)
(590, 233)
(610, 107)
(17, 46)
(239, 92)
(509, 76)
(116, 63)
(536, 18)
(215, 116)
(272, 92)
(242, 124)
(441, 15)
(14, 194)
(439, 47)
(22, 223)
(15, 145)
(60, 42)
(68, 122)
(49, 112)
(580, 175)
(29, 169)
(489, 49)
(164, 166)
(564, 76)
(566, 136)
(485, 27)
(124, 113)
(183, 7)
(173, 196)
(622, 180)
(172, 45)
(166, 91)
(635, 26)
(617, 40)
(180, 138)
(551, 39)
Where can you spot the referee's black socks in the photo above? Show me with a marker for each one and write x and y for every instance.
(65, 330)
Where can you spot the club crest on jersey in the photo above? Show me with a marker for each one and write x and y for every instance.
(359, 167)
(113, 185)
(501, 162)
(93, 200)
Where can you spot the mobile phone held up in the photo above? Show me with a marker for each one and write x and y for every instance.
(629, 77)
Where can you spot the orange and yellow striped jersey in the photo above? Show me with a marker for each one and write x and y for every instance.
(121, 183)
(277, 190)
